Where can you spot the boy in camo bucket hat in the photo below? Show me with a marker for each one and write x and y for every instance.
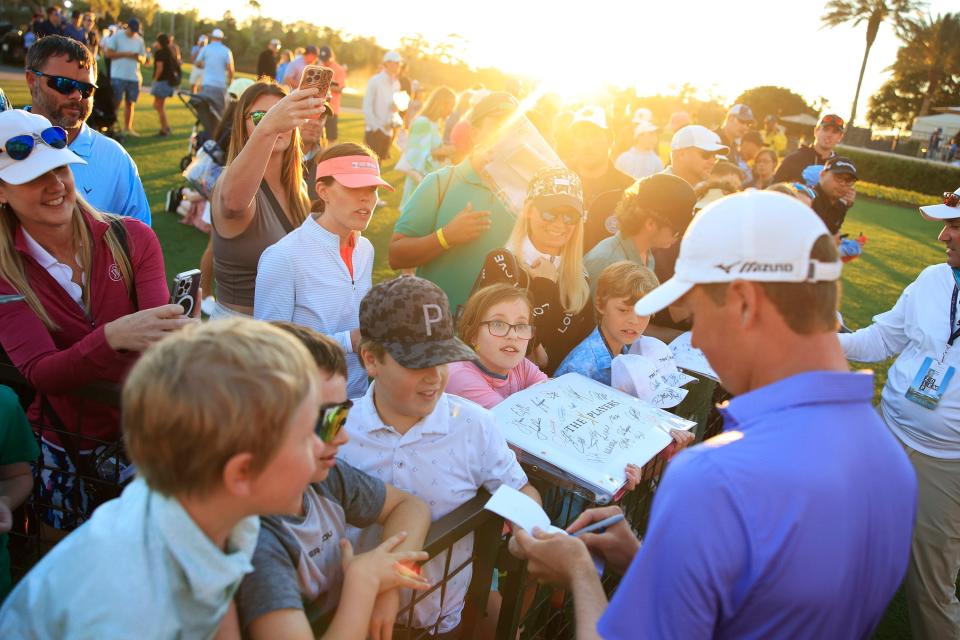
(406, 431)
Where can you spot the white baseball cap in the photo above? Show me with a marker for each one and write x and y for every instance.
(644, 127)
(695, 135)
(592, 114)
(943, 211)
(392, 56)
(761, 236)
(43, 157)
(217, 33)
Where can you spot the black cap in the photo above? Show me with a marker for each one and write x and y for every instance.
(831, 120)
(325, 53)
(134, 25)
(839, 164)
(411, 318)
(310, 48)
(669, 196)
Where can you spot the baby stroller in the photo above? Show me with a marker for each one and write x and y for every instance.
(208, 119)
(104, 113)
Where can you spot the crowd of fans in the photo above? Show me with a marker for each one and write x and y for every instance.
(314, 411)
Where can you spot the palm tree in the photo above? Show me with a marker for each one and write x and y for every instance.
(932, 47)
(874, 13)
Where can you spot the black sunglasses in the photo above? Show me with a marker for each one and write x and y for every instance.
(66, 86)
(569, 217)
(332, 418)
(20, 147)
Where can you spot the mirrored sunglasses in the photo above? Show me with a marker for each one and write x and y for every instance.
(951, 199)
(66, 86)
(257, 116)
(331, 419)
(568, 217)
(20, 147)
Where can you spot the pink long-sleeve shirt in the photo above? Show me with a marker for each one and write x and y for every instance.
(469, 381)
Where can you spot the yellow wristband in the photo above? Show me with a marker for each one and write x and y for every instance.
(442, 240)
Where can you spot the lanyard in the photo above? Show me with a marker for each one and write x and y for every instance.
(954, 333)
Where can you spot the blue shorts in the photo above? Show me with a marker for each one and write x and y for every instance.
(161, 89)
(128, 90)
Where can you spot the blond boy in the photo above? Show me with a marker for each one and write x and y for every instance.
(219, 420)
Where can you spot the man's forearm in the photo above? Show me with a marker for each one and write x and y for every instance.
(412, 516)
(589, 602)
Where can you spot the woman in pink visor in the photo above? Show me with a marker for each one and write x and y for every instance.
(317, 275)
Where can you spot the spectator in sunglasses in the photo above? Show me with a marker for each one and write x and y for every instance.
(53, 25)
(827, 135)
(260, 196)
(544, 255)
(61, 75)
(835, 192)
(78, 324)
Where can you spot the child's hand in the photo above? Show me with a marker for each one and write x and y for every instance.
(682, 438)
(6, 517)
(391, 569)
(634, 474)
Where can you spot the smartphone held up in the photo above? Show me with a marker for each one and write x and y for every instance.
(319, 77)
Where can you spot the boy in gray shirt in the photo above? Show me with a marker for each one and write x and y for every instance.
(300, 561)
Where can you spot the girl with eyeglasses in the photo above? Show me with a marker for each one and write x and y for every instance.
(261, 196)
(94, 296)
(544, 255)
(497, 322)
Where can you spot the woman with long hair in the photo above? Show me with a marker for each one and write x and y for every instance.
(544, 254)
(94, 296)
(317, 275)
(425, 151)
(764, 168)
(260, 197)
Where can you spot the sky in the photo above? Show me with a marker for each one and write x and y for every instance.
(719, 48)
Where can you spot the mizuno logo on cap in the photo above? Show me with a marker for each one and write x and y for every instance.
(757, 267)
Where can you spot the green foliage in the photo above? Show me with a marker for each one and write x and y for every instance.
(774, 101)
(901, 172)
(926, 73)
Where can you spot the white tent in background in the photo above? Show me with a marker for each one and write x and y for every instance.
(948, 119)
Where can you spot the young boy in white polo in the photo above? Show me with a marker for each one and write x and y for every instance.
(409, 433)
(220, 421)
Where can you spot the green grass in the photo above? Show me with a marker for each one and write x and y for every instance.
(900, 243)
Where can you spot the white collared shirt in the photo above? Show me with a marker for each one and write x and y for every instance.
(303, 279)
(139, 568)
(59, 271)
(531, 254)
(915, 328)
(443, 460)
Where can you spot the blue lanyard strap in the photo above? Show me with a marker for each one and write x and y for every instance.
(954, 333)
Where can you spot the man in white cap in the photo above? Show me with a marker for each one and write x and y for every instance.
(216, 60)
(641, 159)
(379, 107)
(585, 148)
(267, 62)
(921, 405)
(793, 523)
(693, 152)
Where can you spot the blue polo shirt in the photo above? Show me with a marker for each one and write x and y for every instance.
(109, 181)
(793, 523)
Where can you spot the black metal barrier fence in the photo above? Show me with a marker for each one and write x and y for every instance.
(528, 610)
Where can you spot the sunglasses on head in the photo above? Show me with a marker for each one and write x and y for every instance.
(20, 147)
(951, 199)
(569, 217)
(66, 86)
(331, 419)
(257, 116)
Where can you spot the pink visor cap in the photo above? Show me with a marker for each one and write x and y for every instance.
(353, 172)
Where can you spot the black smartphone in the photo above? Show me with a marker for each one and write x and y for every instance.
(185, 290)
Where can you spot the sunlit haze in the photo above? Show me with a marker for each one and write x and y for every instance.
(719, 48)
